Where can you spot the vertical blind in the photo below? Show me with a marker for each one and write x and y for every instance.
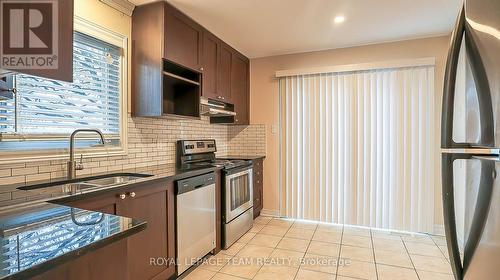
(358, 147)
(45, 106)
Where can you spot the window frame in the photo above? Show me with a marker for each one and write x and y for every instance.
(91, 29)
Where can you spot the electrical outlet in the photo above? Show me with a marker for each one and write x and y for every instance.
(274, 129)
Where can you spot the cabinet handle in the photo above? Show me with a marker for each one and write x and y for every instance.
(201, 69)
(132, 194)
(223, 98)
(258, 182)
(122, 196)
(236, 120)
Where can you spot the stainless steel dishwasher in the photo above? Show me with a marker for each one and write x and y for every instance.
(195, 219)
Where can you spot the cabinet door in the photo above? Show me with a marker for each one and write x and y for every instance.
(183, 39)
(108, 262)
(239, 88)
(224, 88)
(154, 204)
(210, 65)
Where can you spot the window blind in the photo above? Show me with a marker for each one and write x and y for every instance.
(45, 106)
(359, 148)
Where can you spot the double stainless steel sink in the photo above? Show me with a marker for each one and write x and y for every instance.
(75, 186)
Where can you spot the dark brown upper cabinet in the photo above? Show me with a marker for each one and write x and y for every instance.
(183, 39)
(166, 55)
(211, 55)
(217, 58)
(64, 46)
(224, 73)
(240, 88)
(164, 38)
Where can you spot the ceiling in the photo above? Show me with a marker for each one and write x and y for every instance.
(260, 28)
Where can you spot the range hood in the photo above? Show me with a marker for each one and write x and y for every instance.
(215, 109)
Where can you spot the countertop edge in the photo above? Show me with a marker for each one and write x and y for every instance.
(245, 157)
(61, 259)
(166, 179)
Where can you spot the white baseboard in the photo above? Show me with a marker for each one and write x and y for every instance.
(438, 230)
(270, 212)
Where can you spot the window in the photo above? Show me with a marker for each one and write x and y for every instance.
(44, 112)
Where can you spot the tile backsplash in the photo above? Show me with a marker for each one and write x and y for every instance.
(151, 141)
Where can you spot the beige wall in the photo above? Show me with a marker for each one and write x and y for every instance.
(264, 93)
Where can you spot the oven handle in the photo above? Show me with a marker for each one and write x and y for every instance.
(244, 172)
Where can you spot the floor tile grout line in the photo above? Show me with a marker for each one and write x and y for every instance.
(411, 260)
(233, 256)
(297, 272)
(373, 254)
(434, 241)
(307, 249)
(340, 252)
(309, 241)
(276, 247)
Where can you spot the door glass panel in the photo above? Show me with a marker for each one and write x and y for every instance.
(240, 191)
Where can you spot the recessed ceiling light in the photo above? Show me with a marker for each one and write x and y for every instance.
(339, 19)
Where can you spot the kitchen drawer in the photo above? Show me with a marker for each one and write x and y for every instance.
(257, 164)
(257, 180)
(258, 185)
(257, 173)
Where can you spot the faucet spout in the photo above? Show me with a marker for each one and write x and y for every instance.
(72, 167)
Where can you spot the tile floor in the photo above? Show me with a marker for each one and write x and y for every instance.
(279, 249)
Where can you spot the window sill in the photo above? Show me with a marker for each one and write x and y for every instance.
(62, 154)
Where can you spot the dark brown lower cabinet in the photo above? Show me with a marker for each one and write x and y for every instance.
(151, 251)
(105, 263)
(258, 185)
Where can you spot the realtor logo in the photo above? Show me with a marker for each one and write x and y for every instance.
(28, 32)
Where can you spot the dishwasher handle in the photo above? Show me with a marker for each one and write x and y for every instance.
(193, 183)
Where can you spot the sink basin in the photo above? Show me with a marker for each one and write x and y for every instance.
(111, 181)
(75, 185)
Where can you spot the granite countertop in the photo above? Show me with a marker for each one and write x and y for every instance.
(35, 238)
(247, 157)
(53, 189)
(36, 234)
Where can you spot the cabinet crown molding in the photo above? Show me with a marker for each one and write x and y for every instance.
(123, 6)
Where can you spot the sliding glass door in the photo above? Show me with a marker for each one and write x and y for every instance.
(360, 147)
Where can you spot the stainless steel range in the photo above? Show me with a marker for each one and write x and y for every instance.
(237, 185)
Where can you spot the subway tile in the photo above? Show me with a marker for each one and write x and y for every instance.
(150, 142)
(25, 171)
(12, 180)
(5, 172)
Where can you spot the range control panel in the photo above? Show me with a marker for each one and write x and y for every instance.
(191, 147)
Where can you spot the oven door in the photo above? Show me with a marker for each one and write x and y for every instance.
(239, 192)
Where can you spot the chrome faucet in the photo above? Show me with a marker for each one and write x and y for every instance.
(72, 166)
